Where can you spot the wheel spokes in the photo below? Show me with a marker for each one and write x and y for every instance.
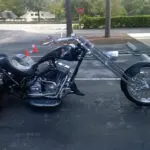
(140, 90)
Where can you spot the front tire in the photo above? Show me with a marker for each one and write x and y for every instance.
(134, 72)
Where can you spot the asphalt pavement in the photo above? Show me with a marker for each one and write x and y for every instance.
(104, 119)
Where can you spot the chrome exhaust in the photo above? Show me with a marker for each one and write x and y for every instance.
(48, 95)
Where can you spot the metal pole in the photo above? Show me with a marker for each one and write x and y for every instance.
(68, 17)
(108, 18)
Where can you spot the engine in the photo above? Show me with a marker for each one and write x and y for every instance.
(51, 84)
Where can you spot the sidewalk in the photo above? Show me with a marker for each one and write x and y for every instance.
(139, 37)
(142, 37)
(35, 28)
(114, 32)
(56, 28)
(122, 35)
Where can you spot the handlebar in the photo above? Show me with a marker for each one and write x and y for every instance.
(85, 43)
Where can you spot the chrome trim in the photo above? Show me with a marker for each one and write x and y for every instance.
(48, 95)
(49, 82)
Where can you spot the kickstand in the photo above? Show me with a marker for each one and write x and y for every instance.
(75, 89)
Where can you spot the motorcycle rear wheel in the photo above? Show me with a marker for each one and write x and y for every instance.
(135, 91)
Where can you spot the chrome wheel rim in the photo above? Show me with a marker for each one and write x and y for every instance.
(139, 86)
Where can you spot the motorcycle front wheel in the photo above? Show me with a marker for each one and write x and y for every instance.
(137, 87)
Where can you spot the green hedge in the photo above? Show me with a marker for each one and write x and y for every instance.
(116, 22)
(76, 26)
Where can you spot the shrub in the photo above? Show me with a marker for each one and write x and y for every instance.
(76, 26)
(116, 22)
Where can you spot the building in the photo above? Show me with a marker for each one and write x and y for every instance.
(33, 16)
(7, 15)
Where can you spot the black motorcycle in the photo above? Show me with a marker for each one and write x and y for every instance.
(44, 83)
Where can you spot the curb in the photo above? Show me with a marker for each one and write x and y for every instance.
(132, 46)
(145, 57)
(134, 49)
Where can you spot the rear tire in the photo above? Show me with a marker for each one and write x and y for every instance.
(132, 72)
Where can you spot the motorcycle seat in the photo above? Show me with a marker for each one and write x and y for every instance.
(22, 64)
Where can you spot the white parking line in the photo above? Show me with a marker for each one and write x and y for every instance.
(97, 79)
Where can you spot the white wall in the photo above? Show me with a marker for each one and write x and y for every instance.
(36, 28)
(31, 16)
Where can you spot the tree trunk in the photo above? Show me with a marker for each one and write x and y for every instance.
(39, 16)
(108, 18)
(68, 17)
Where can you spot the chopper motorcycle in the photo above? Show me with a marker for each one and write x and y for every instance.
(46, 86)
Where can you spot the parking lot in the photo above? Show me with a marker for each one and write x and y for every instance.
(103, 119)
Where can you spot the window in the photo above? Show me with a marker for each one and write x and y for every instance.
(36, 14)
(31, 14)
(42, 14)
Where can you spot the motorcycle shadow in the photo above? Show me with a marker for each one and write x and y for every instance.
(43, 109)
(11, 102)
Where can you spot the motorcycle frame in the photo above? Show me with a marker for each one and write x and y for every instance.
(100, 56)
(22, 84)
